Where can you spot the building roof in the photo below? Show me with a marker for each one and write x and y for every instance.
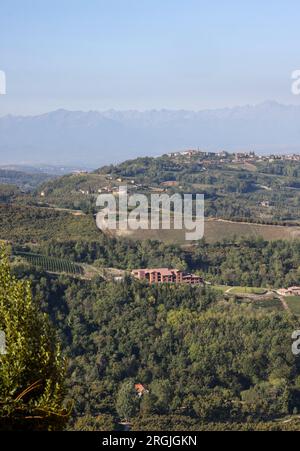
(139, 388)
(163, 271)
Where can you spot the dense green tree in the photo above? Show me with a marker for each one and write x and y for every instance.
(162, 393)
(127, 400)
(102, 422)
(32, 369)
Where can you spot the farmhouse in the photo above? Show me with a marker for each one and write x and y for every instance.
(140, 390)
(166, 275)
(292, 291)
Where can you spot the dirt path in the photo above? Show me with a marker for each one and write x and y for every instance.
(67, 210)
(284, 304)
(228, 221)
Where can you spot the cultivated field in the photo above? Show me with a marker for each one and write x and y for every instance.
(218, 230)
(34, 224)
(51, 264)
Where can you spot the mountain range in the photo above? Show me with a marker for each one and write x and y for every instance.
(96, 138)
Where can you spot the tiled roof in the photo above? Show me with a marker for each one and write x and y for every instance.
(163, 271)
(139, 388)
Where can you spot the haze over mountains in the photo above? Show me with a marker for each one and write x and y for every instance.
(98, 138)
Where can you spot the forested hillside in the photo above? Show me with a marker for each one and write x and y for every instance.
(249, 262)
(203, 360)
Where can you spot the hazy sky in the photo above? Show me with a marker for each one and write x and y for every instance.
(146, 54)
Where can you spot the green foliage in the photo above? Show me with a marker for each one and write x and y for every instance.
(166, 423)
(127, 400)
(199, 356)
(102, 422)
(267, 399)
(32, 370)
(215, 405)
(29, 224)
(249, 262)
(119, 253)
(162, 394)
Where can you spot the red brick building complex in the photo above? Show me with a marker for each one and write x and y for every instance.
(166, 275)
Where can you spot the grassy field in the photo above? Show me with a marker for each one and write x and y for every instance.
(270, 302)
(222, 288)
(239, 290)
(294, 304)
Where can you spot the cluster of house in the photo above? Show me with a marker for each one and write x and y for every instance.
(291, 291)
(223, 156)
(245, 157)
(166, 275)
(238, 157)
(80, 172)
(111, 189)
(193, 153)
(289, 157)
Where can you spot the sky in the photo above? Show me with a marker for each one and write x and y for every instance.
(146, 54)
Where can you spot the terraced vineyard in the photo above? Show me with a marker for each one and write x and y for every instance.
(51, 264)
